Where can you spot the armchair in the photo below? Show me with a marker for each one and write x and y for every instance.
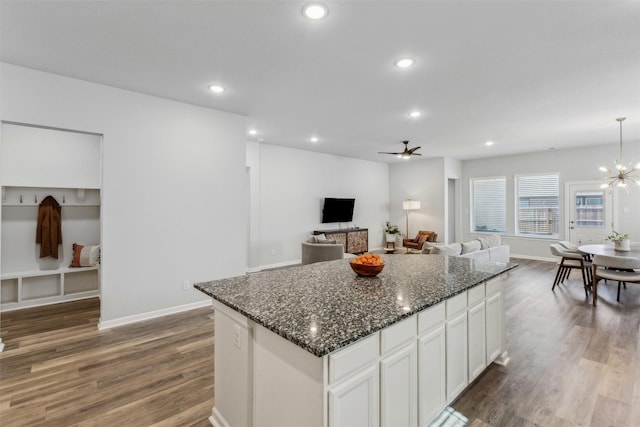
(418, 241)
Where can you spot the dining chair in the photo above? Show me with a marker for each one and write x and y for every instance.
(570, 261)
(572, 247)
(619, 268)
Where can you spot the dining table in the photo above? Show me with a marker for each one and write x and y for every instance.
(609, 249)
(606, 249)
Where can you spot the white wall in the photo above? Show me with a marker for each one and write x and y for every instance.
(293, 184)
(580, 164)
(174, 186)
(422, 180)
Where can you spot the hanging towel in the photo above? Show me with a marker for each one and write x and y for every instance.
(49, 229)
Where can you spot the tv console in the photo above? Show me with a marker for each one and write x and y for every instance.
(354, 240)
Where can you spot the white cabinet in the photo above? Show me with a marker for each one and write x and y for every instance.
(431, 374)
(477, 354)
(456, 330)
(456, 355)
(432, 364)
(354, 402)
(476, 330)
(494, 325)
(398, 388)
(354, 384)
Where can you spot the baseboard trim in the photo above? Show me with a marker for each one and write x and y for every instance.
(39, 302)
(276, 265)
(534, 258)
(108, 324)
(217, 420)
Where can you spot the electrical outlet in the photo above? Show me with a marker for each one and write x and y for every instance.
(236, 335)
(186, 285)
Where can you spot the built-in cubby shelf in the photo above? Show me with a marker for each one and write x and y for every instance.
(36, 162)
(38, 287)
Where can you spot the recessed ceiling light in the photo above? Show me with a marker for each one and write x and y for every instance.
(253, 132)
(216, 89)
(404, 62)
(315, 11)
(313, 139)
(488, 143)
(415, 114)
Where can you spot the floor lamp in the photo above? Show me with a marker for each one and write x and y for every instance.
(410, 205)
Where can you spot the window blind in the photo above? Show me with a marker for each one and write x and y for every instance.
(537, 205)
(488, 204)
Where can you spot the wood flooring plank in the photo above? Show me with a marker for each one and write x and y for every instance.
(610, 413)
(618, 382)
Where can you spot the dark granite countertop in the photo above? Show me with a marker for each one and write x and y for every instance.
(325, 306)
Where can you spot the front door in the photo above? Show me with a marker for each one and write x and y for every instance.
(589, 211)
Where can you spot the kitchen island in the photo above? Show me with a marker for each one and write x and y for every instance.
(316, 345)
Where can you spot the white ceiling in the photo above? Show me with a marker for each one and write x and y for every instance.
(528, 75)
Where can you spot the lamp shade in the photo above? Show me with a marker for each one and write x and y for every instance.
(409, 204)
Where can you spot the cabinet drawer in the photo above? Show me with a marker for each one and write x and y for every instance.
(430, 318)
(456, 304)
(476, 294)
(398, 335)
(353, 358)
(493, 286)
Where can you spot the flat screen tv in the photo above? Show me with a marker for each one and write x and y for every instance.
(337, 210)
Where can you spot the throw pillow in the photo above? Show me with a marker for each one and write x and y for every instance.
(494, 240)
(85, 255)
(423, 237)
(320, 237)
(327, 242)
(470, 246)
(484, 243)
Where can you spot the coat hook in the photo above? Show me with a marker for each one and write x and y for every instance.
(63, 200)
(35, 199)
(21, 198)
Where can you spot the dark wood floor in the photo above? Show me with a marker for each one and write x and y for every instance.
(570, 365)
(57, 369)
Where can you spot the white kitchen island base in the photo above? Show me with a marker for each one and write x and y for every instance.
(401, 375)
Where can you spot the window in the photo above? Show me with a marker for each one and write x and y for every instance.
(590, 209)
(488, 205)
(537, 205)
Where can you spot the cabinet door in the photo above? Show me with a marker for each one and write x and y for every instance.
(399, 386)
(431, 375)
(456, 355)
(494, 327)
(477, 353)
(354, 401)
(358, 241)
(339, 238)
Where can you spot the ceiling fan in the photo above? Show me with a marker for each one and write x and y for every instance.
(406, 153)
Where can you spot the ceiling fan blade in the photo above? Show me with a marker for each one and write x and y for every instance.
(415, 154)
(413, 149)
(384, 152)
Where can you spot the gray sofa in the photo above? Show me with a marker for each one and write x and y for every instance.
(325, 251)
(487, 248)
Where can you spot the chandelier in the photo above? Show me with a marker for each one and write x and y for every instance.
(622, 174)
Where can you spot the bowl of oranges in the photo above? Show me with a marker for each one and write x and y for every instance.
(367, 265)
